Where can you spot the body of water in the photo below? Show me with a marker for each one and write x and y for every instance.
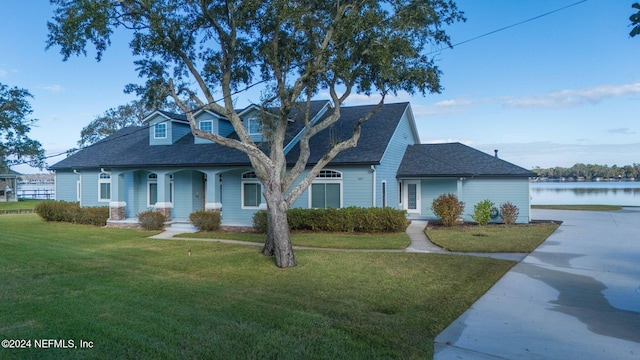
(37, 191)
(586, 193)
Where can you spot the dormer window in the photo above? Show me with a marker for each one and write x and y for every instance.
(206, 125)
(160, 131)
(254, 126)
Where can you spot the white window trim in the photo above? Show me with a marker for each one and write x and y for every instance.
(104, 178)
(248, 178)
(251, 119)
(335, 177)
(155, 131)
(153, 179)
(206, 121)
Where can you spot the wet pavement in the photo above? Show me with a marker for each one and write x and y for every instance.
(577, 296)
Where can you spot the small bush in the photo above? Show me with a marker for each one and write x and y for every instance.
(351, 219)
(151, 220)
(482, 212)
(205, 220)
(96, 216)
(71, 212)
(260, 222)
(448, 208)
(509, 213)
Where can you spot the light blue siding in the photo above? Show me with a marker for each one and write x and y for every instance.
(357, 187)
(206, 116)
(175, 130)
(66, 186)
(188, 196)
(388, 168)
(431, 189)
(225, 128)
(498, 191)
(232, 212)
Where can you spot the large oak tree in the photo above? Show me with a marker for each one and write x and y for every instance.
(208, 51)
(15, 123)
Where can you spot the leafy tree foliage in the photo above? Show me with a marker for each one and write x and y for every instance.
(111, 121)
(635, 20)
(15, 145)
(114, 119)
(193, 50)
(591, 172)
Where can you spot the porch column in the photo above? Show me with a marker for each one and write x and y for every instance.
(213, 198)
(164, 203)
(117, 205)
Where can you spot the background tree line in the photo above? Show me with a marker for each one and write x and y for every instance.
(590, 172)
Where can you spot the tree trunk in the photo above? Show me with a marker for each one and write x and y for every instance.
(278, 239)
(269, 248)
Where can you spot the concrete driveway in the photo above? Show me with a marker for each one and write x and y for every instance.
(575, 297)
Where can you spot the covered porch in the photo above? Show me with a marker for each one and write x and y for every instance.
(8, 186)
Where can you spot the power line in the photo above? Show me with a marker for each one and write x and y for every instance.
(510, 26)
(249, 86)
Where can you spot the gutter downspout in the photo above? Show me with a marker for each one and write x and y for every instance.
(373, 195)
(79, 190)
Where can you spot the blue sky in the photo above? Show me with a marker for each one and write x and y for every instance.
(558, 90)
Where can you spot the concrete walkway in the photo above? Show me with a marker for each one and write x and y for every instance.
(575, 297)
(421, 244)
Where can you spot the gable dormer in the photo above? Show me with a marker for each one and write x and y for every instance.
(214, 123)
(251, 120)
(166, 128)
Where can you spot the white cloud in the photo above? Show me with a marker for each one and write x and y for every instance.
(3, 73)
(547, 154)
(53, 88)
(623, 131)
(573, 97)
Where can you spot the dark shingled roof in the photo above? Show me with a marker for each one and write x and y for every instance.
(455, 160)
(129, 147)
(374, 138)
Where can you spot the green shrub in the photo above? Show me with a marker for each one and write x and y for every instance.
(509, 213)
(63, 211)
(260, 222)
(96, 216)
(482, 212)
(351, 219)
(447, 208)
(151, 220)
(205, 220)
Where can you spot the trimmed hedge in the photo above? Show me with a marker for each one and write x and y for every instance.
(71, 212)
(151, 220)
(205, 220)
(350, 219)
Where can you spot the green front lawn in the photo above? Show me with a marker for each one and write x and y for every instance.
(491, 238)
(20, 204)
(393, 241)
(141, 298)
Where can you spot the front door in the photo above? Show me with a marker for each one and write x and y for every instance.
(412, 196)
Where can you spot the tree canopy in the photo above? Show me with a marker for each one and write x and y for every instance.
(635, 20)
(15, 123)
(207, 52)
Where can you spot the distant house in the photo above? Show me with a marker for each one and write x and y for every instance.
(162, 166)
(8, 185)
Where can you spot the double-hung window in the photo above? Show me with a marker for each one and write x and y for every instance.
(152, 189)
(254, 126)
(206, 125)
(251, 191)
(160, 131)
(326, 190)
(104, 187)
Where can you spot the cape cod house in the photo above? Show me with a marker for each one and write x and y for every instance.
(162, 166)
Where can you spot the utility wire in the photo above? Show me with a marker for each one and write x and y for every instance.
(249, 86)
(509, 26)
